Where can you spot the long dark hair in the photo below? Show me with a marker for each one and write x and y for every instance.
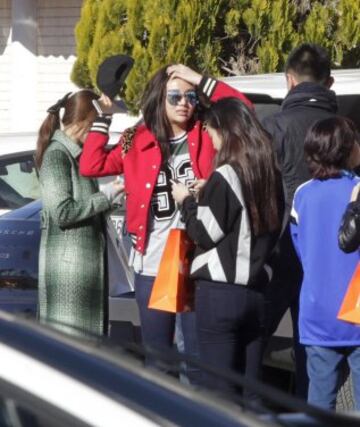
(78, 108)
(154, 110)
(247, 148)
(328, 145)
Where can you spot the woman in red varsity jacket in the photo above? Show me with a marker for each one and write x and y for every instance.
(171, 145)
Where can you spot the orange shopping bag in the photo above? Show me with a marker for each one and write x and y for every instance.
(350, 307)
(172, 290)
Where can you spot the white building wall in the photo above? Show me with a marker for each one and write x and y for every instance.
(36, 63)
(37, 53)
(56, 50)
(5, 25)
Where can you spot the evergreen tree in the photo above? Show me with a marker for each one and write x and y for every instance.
(347, 36)
(84, 35)
(212, 36)
(319, 25)
(261, 33)
(154, 33)
(270, 25)
(111, 34)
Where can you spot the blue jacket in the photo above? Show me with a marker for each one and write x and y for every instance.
(315, 219)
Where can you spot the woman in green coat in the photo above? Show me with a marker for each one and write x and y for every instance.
(72, 287)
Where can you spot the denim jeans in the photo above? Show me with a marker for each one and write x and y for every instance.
(231, 321)
(158, 327)
(324, 366)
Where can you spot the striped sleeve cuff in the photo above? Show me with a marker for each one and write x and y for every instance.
(207, 85)
(101, 124)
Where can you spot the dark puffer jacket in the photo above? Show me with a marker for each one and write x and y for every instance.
(349, 232)
(304, 104)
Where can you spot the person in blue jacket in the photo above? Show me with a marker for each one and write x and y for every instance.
(331, 151)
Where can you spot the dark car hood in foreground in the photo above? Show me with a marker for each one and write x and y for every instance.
(116, 374)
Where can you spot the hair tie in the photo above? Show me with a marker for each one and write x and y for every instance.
(54, 109)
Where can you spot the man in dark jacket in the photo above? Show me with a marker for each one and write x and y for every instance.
(309, 99)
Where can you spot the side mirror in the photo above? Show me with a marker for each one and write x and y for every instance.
(3, 171)
(27, 166)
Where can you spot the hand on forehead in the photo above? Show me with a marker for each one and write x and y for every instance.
(176, 83)
(185, 73)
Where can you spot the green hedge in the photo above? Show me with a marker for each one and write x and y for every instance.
(213, 36)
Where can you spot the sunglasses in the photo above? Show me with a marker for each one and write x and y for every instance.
(175, 96)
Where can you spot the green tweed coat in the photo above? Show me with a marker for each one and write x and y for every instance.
(71, 259)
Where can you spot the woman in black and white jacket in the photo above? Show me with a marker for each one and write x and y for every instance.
(235, 224)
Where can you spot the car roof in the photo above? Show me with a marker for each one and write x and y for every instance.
(150, 397)
(346, 82)
(118, 373)
(16, 142)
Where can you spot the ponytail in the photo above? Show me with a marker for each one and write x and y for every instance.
(77, 108)
(47, 129)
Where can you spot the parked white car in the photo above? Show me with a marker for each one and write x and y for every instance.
(49, 379)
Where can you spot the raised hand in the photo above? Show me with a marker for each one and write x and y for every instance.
(183, 72)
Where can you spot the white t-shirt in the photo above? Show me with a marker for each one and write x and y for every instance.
(164, 213)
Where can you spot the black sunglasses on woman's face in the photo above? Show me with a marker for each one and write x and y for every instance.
(175, 96)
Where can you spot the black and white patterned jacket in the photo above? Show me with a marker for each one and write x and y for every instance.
(227, 250)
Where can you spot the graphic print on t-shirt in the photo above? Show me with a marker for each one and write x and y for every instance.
(164, 213)
(163, 206)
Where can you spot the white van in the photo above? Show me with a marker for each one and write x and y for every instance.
(267, 91)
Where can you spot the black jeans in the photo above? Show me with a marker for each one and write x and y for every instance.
(158, 327)
(283, 292)
(231, 322)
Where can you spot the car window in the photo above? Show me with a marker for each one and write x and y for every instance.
(349, 106)
(264, 105)
(24, 410)
(19, 183)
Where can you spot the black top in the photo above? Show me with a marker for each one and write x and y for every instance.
(349, 232)
(227, 250)
(303, 106)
